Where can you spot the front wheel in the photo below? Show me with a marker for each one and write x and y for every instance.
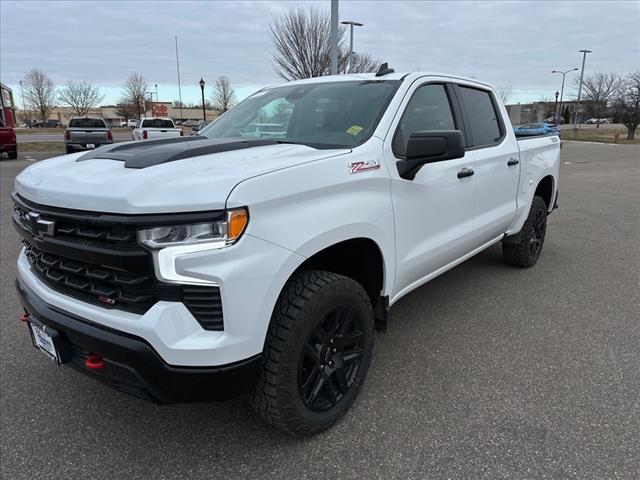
(316, 354)
(526, 251)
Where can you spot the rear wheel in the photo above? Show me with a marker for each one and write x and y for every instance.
(13, 154)
(316, 354)
(70, 150)
(526, 252)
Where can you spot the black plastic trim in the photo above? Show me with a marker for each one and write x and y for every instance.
(132, 365)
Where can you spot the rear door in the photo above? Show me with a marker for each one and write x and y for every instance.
(496, 158)
(434, 211)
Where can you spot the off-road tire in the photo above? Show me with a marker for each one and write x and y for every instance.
(304, 301)
(522, 254)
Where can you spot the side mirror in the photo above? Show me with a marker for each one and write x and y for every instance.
(428, 147)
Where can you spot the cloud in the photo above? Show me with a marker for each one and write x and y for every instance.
(504, 43)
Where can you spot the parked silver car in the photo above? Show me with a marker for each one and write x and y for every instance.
(86, 133)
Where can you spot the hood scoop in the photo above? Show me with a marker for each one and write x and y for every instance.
(155, 152)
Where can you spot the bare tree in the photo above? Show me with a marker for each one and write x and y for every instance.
(301, 39)
(504, 93)
(39, 93)
(362, 62)
(223, 96)
(302, 43)
(26, 116)
(80, 97)
(627, 104)
(125, 109)
(599, 90)
(136, 92)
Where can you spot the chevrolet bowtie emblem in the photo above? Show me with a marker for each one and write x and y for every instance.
(39, 226)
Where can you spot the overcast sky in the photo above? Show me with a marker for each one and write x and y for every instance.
(504, 43)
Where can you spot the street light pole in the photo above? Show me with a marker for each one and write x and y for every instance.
(584, 58)
(562, 88)
(555, 108)
(204, 113)
(157, 93)
(24, 110)
(351, 24)
(334, 37)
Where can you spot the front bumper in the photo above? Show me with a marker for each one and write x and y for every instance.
(8, 147)
(83, 146)
(250, 274)
(131, 365)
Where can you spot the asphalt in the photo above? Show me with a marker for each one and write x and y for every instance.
(487, 372)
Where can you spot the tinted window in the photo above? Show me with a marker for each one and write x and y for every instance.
(86, 123)
(480, 116)
(428, 109)
(157, 123)
(322, 115)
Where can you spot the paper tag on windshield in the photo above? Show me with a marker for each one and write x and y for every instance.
(354, 129)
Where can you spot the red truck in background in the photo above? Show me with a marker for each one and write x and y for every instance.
(8, 142)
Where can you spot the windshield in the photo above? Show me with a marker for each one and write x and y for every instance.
(321, 115)
(157, 123)
(86, 123)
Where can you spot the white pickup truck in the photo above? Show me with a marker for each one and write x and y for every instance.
(155, 128)
(207, 267)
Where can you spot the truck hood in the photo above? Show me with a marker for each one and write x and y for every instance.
(117, 180)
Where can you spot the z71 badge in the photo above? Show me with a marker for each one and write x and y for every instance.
(357, 167)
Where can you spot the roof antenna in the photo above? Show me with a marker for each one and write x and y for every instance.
(384, 70)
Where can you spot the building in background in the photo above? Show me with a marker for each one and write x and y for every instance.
(110, 113)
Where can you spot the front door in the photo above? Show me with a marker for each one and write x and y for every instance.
(433, 212)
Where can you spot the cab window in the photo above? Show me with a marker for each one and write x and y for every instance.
(428, 109)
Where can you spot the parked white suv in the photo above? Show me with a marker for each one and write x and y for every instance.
(210, 266)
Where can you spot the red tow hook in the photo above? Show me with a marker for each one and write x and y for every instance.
(94, 362)
(25, 317)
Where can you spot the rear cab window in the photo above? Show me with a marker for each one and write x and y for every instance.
(87, 123)
(157, 123)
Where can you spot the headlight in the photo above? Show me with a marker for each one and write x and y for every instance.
(169, 243)
(217, 234)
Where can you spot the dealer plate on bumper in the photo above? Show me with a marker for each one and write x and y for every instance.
(42, 338)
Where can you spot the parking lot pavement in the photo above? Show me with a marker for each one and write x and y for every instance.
(486, 372)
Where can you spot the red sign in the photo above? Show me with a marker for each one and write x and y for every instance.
(158, 110)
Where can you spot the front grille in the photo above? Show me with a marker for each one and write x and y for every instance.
(97, 284)
(100, 262)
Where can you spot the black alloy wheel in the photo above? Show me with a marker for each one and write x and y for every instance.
(330, 359)
(538, 232)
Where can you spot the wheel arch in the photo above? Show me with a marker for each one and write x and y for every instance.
(361, 259)
(546, 190)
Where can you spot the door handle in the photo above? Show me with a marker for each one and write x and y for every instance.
(512, 162)
(465, 172)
